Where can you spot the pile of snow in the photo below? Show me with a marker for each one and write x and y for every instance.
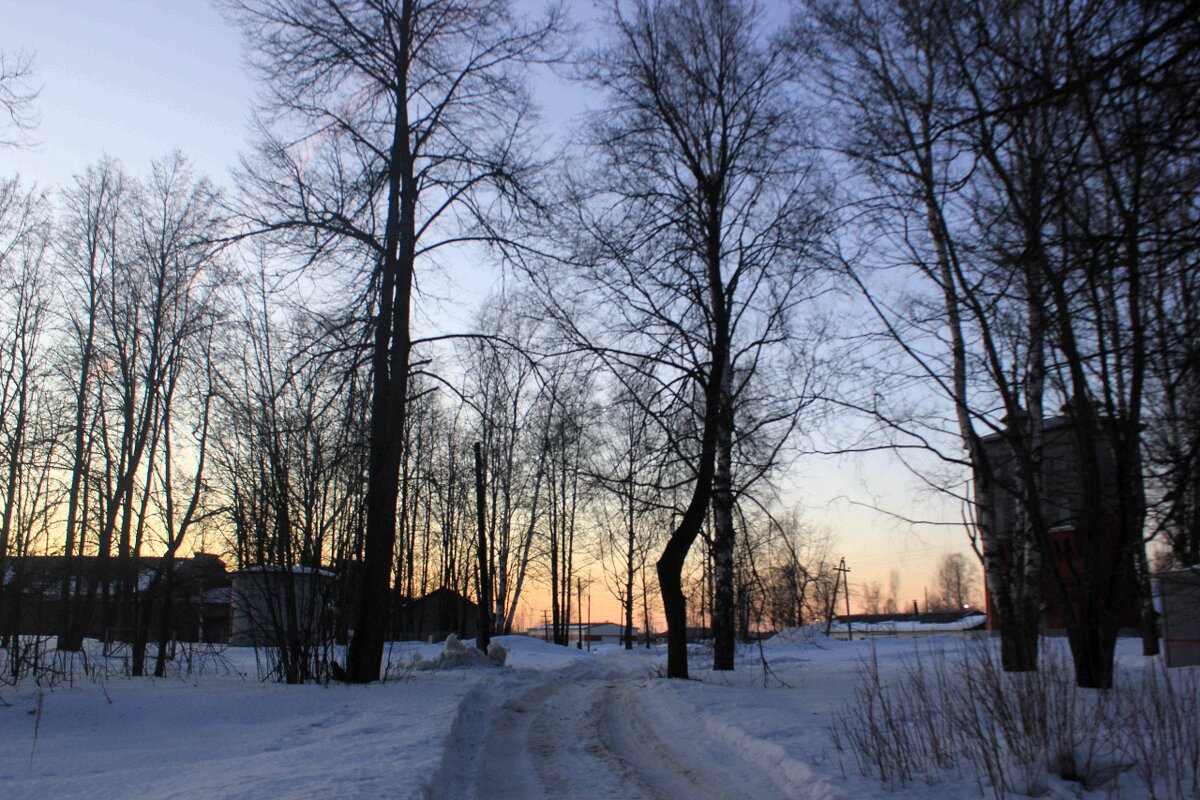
(804, 637)
(526, 652)
(456, 655)
(520, 651)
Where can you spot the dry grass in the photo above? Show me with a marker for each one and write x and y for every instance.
(963, 716)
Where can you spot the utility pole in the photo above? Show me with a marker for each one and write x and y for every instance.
(846, 577)
(842, 571)
(579, 611)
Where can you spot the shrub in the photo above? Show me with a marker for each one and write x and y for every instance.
(1011, 731)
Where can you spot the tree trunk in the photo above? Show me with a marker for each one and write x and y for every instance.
(629, 563)
(1150, 642)
(164, 627)
(1019, 630)
(723, 612)
(555, 611)
(389, 368)
(483, 633)
(670, 565)
(1092, 645)
(16, 448)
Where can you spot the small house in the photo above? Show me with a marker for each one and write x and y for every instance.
(434, 617)
(1180, 593)
(270, 604)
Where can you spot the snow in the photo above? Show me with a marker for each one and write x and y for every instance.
(456, 655)
(498, 653)
(555, 721)
(226, 737)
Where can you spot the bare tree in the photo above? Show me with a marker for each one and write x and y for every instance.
(24, 242)
(788, 565)
(692, 226)
(955, 583)
(16, 98)
(567, 409)
(27, 445)
(892, 604)
(411, 117)
(288, 450)
(179, 509)
(870, 596)
(154, 305)
(178, 270)
(1009, 142)
(517, 411)
(632, 475)
(886, 69)
(1063, 135)
(1173, 435)
(88, 256)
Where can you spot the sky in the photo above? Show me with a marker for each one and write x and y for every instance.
(136, 79)
(130, 79)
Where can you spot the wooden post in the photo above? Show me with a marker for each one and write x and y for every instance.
(841, 570)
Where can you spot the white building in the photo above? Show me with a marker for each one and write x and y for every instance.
(908, 626)
(259, 599)
(594, 634)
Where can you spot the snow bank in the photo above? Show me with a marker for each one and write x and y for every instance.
(796, 642)
(526, 652)
(227, 737)
(456, 655)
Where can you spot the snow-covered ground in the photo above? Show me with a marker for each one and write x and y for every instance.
(554, 722)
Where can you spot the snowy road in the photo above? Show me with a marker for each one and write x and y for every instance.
(602, 735)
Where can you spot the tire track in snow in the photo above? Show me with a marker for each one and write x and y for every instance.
(571, 736)
(668, 748)
(577, 756)
(536, 739)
